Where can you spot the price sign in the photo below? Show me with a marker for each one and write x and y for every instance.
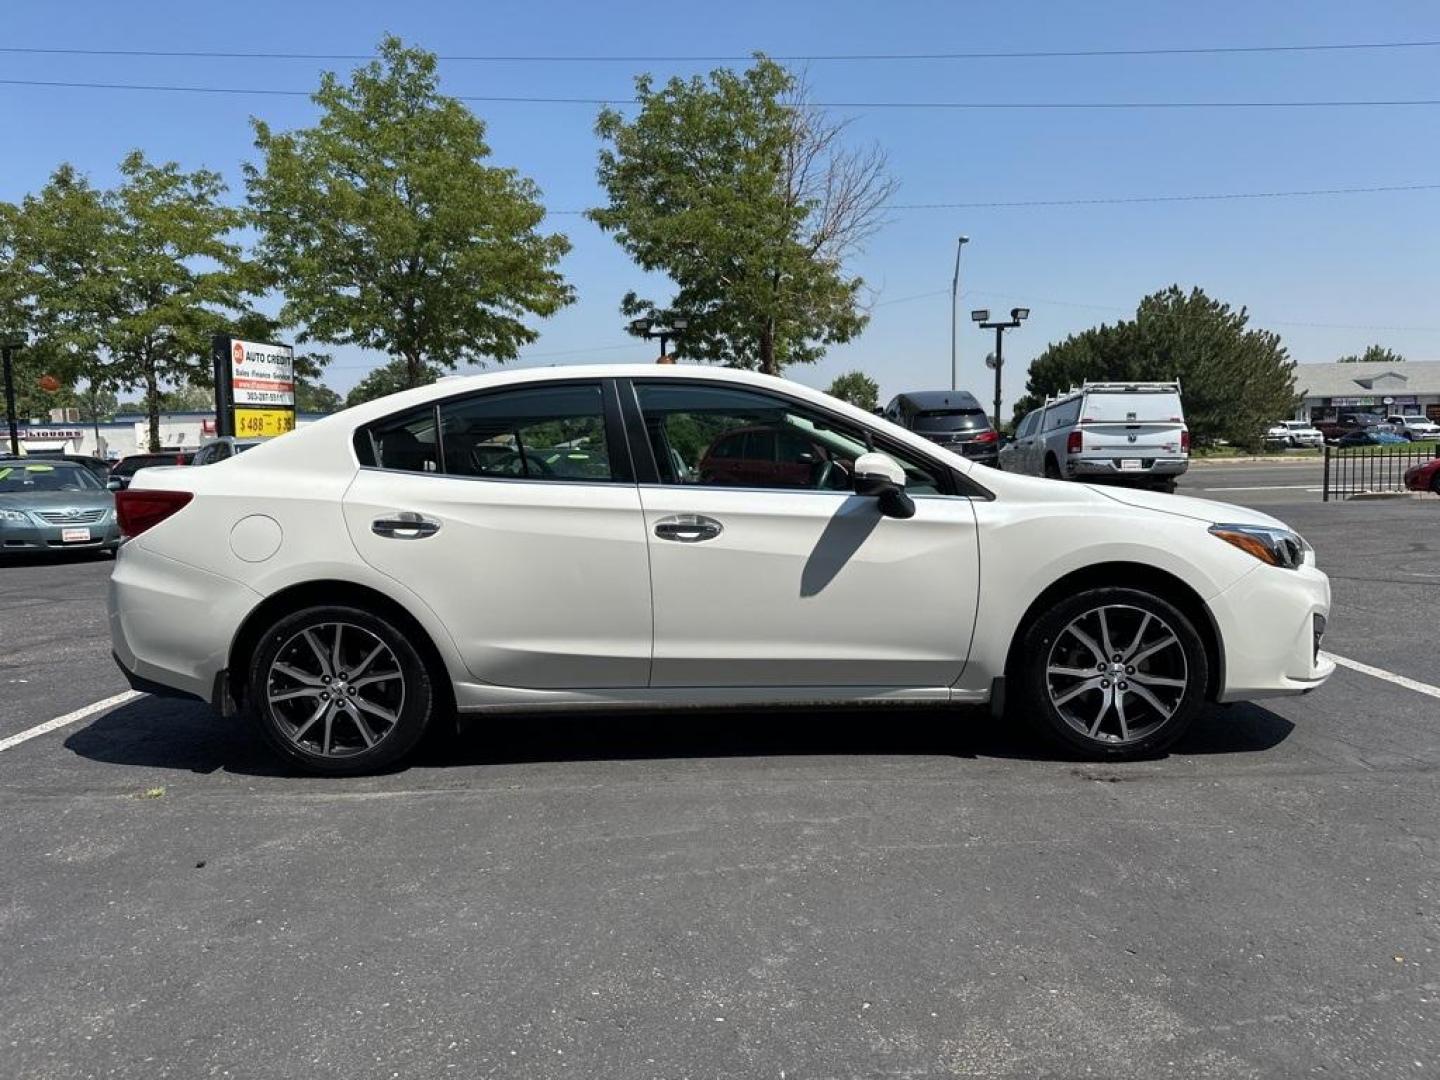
(254, 387)
(263, 423)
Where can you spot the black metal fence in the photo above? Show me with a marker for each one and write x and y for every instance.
(1351, 470)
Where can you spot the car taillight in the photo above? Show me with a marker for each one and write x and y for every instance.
(1185, 442)
(137, 511)
(986, 436)
(1074, 442)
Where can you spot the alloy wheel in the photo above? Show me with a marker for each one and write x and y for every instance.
(335, 690)
(1116, 674)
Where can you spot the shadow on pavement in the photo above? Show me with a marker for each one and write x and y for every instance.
(155, 733)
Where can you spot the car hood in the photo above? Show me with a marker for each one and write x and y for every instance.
(1205, 510)
(57, 500)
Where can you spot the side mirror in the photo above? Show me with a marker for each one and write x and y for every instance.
(881, 477)
(114, 484)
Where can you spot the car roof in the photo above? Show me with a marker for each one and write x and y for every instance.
(940, 399)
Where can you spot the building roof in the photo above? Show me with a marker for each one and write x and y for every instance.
(1355, 380)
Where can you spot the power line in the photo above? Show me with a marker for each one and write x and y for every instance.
(946, 105)
(1128, 199)
(1028, 54)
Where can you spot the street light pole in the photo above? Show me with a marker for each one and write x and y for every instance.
(982, 317)
(663, 327)
(7, 351)
(954, 304)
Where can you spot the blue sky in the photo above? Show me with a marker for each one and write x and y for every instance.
(1327, 273)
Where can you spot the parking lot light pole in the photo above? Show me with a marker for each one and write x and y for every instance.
(982, 317)
(7, 352)
(954, 304)
(663, 328)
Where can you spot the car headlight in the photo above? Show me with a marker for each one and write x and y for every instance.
(1268, 543)
(17, 516)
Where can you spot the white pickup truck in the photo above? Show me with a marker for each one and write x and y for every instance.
(1129, 431)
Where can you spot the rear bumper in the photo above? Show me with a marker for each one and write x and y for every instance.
(1268, 628)
(1110, 466)
(171, 624)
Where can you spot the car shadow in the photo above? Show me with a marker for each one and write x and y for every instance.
(156, 733)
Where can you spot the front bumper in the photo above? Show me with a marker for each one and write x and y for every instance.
(1268, 629)
(28, 537)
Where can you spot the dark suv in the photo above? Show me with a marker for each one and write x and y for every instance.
(952, 418)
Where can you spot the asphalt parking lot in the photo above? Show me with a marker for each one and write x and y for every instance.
(890, 894)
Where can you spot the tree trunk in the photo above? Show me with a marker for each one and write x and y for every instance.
(412, 370)
(152, 402)
(767, 349)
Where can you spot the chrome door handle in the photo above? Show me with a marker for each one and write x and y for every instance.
(688, 528)
(406, 525)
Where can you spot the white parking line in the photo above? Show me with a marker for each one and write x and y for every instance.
(68, 718)
(1388, 676)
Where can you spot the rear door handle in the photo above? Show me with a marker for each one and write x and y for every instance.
(406, 525)
(688, 528)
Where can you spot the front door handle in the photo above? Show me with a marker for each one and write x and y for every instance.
(688, 528)
(406, 525)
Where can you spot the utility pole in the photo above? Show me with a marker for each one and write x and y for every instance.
(663, 327)
(7, 352)
(982, 316)
(954, 304)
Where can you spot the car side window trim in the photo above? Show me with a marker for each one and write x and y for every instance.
(618, 449)
(960, 485)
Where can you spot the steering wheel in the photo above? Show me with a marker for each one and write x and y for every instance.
(831, 475)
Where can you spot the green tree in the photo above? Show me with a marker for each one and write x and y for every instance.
(1234, 380)
(388, 230)
(1375, 354)
(746, 197)
(857, 388)
(316, 397)
(389, 378)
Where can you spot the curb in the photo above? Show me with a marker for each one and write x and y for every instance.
(1205, 463)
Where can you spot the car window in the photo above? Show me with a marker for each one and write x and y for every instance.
(1062, 415)
(1027, 426)
(723, 437)
(535, 433)
(18, 479)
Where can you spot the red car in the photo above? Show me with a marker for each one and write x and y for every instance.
(772, 457)
(1424, 477)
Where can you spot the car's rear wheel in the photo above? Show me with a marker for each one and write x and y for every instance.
(1113, 673)
(1052, 468)
(339, 690)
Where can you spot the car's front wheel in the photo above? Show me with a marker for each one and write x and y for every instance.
(339, 690)
(1112, 673)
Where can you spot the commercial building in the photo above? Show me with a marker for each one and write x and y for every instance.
(120, 437)
(1411, 388)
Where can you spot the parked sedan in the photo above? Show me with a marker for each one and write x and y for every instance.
(1424, 477)
(366, 576)
(1370, 437)
(54, 505)
(124, 470)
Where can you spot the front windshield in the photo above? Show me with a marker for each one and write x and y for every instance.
(35, 477)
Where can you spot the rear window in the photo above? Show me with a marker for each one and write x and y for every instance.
(951, 420)
(1139, 407)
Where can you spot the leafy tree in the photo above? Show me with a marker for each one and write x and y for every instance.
(1234, 380)
(745, 196)
(857, 388)
(389, 378)
(1375, 354)
(315, 397)
(388, 229)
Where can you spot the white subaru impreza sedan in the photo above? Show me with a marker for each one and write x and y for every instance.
(586, 538)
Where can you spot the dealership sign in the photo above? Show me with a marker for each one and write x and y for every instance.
(254, 387)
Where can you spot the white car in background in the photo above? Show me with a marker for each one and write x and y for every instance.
(573, 539)
(1414, 428)
(1295, 433)
(1132, 432)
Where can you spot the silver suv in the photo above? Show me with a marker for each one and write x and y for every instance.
(1128, 431)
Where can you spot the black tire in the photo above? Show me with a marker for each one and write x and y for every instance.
(1050, 651)
(1052, 468)
(349, 726)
